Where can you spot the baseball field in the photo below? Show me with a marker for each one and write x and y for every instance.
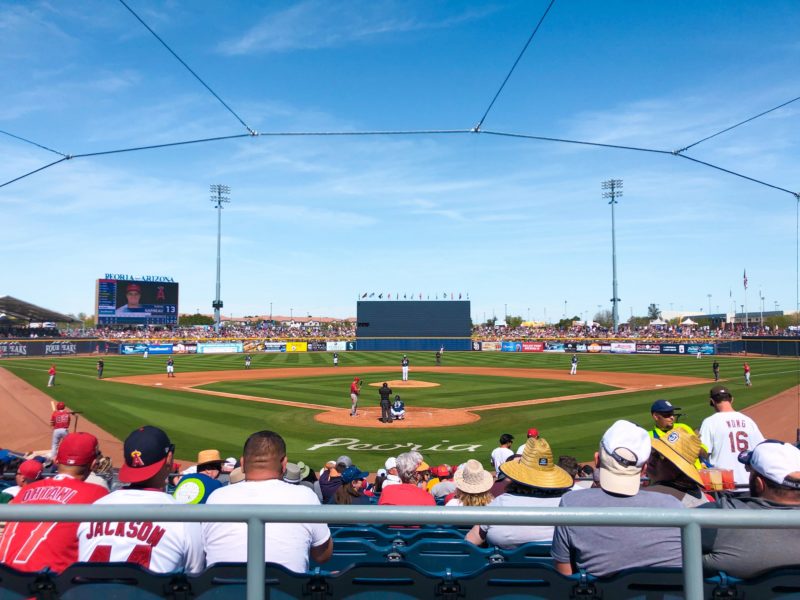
(455, 411)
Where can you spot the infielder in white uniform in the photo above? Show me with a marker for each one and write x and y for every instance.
(404, 364)
(159, 546)
(727, 433)
(573, 370)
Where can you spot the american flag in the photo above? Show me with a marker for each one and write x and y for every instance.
(745, 279)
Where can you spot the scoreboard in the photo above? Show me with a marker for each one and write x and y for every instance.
(426, 319)
(136, 302)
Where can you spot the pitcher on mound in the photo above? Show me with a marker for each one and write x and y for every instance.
(404, 364)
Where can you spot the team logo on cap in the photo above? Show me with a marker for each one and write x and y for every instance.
(136, 459)
(673, 437)
(542, 462)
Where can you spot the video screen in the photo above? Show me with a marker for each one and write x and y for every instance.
(129, 302)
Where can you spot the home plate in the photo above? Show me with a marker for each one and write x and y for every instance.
(657, 385)
(158, 384)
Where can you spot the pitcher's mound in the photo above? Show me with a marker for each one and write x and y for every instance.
(412, 383)
(416, 417)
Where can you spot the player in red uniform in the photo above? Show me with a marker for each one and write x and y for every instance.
(60, 423)
(355, 390)
(32, 546)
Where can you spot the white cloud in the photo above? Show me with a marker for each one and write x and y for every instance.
(317, 24)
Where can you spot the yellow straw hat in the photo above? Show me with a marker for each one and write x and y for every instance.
(681, 448)
(535, 468)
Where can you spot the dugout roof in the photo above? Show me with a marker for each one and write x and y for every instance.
(25, 311)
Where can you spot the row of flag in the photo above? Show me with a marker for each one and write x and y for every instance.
(444, 296)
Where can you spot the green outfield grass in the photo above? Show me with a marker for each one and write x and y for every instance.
(196, 421)
(454, 391)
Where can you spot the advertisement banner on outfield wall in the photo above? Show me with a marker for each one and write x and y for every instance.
(132, 348)
(554, 347)
(623, 347)
(491, 346)
(160, 348)
(701, 348)
(672, 349)
(336, 346)
(351, 346)
(533, 346)
(574, 347)
(297, 346)
(511, 347)
(220, 348)
(60, 348)
(317, 346)
(13, 349)
(648, 348)
(476, 346)
(594, 347)
(274, 347)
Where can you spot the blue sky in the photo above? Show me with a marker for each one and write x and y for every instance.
(315, 221)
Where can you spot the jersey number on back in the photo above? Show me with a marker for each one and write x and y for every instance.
(739, 441)
(140, 555)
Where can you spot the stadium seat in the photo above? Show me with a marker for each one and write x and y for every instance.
(511, 582)
(120, 581)
(18, 585)
(778, 583)
(532, 552)
(644, 584)
(390, 581)
(442, 556)
(349, 551)
(228, 581)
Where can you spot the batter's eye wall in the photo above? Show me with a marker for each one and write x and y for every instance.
(422, 318)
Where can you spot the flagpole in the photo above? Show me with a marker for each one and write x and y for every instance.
(745, 300)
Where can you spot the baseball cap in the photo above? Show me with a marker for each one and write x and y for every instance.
(663, 406)
(344, 460)
(60, 405)
(423, 466)
(777, 461)
(533, 432)
(624, 450)
(441, 471)
(719, 392)
(352, 473)
(237, 475)
(133, 287)
(30, 469)
(391, 463)
(146, 450)
(77, 449)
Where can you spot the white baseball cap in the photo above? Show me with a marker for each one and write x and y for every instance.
(775, 460)
(391, 463)
(624, 450)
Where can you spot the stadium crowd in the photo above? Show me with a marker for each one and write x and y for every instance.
(668, 467)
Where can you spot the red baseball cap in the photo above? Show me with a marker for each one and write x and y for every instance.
(133, 287)
(146, 451)
(30, 469)
(533, 432)
(60, 405)
(78, 448)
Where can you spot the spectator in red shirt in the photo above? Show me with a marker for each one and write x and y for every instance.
(59, 420)
(32, 546)
(410, 467)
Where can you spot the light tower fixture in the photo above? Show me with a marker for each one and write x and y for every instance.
(220, 194)
(614, 191)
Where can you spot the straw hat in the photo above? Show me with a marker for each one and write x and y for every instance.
(681, 448)
(472, 478)
(535, 468)
(205, 457)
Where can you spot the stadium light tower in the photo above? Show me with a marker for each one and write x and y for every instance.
(614, 187)
(219, 196)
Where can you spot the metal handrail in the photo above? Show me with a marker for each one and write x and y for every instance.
(690, 522)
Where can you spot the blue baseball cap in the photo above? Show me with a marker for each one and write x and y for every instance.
(663, 406)
(352, 473)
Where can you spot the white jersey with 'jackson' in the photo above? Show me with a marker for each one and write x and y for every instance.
(160, 547)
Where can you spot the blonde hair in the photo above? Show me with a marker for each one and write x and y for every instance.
(480, 499)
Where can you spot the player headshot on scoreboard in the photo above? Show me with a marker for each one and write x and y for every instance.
(133, 304)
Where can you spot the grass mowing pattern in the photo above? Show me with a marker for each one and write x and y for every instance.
(195, 421)
(455, 390)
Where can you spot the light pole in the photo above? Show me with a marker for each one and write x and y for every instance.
(270, 311)
(219, 196)
(565, 309)
(505, 313)
(760, 295)
(291, 315)
(709, 303)
(614, 187)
